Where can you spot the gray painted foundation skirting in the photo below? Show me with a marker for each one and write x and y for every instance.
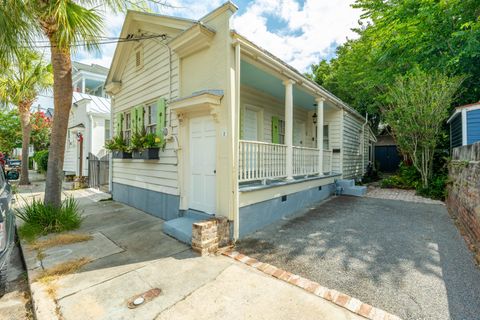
(257, 216)
(158, 204)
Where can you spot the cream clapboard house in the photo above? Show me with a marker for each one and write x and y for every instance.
(247, 136)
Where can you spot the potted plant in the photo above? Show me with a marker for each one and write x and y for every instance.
(151, 146)
(145, 146)
(119, 147)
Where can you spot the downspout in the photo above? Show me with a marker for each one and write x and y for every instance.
(236, 117)
(110, 159)
(90, 139)
(363, 143)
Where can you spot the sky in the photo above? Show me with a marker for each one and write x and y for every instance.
(300, 32)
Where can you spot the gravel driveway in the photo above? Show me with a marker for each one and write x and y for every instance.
(406, 258)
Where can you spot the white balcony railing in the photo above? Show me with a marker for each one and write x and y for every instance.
(327, 161)
(261, 160)
(305, 161)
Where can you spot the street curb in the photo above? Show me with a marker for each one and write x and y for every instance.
(343, 300)
(43, 306)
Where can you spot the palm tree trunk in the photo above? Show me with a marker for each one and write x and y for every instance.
(24, 110)
(62, 94)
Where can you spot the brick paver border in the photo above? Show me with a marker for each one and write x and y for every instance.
(345, 301)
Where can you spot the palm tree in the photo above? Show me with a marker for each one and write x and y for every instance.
(20, 83)
(66, 24)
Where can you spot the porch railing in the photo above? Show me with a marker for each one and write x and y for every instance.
(261, 160)
(327, 161)
(305, 161)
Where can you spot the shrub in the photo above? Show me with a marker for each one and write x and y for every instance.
(41, 219)
(41, 158)
(436, 188)
(407, 178)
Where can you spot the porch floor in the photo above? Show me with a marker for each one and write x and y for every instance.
(258, 185)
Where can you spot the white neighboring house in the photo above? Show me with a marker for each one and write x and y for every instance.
(88, 129)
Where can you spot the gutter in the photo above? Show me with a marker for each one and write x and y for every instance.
(363, 142)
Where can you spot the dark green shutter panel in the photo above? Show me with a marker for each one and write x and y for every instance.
(275, 130)
(160, 117)
(133, 120)
(140, 113)
(119, 120)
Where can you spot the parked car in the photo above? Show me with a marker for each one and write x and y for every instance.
(7, 228)
(12, 168)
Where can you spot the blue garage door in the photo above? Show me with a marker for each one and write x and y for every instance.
(387, 158)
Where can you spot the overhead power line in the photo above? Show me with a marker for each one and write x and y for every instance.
(106, 41)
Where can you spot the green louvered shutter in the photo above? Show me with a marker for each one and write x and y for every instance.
(133, 120)
(118, 123)
(275, 130)
(140, 113)
(160, 117)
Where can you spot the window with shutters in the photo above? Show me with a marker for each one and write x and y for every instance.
(127, 133)
(326, 139)
(281, 131)
(151, 120)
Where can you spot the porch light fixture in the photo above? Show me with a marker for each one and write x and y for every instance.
(314, 117)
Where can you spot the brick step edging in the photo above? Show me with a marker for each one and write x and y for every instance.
(343, 300)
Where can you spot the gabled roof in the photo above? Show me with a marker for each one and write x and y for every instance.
(459, 109)
(93, 68)
(155, 23)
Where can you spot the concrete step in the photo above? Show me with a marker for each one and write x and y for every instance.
(345, 183)
(190, 213)
(180, 228)
(358, 191)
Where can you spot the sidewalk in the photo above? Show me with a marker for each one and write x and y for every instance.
(130, 255)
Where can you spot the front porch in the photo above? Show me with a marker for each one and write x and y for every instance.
(267, 162)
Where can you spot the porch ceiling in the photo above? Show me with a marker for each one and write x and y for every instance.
(263, 81)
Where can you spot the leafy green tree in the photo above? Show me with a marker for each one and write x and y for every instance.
(20, 82)
(419, 106)
(10, 131)
(395, 37)
(66, 24)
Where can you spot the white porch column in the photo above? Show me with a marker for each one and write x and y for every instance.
(289, 126)
(320, 133)
(83, 85)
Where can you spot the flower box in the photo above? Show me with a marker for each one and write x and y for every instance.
(146, 154)
(121, 154)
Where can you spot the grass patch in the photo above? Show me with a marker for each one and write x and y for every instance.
(62, 269)
(40, 219)
(61, 239)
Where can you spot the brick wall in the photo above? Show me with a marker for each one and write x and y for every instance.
(209, 235)
(463, 200)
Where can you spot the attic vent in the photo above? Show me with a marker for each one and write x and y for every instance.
(139, 57)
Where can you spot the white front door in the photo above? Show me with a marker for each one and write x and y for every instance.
(202, 164)
(250, 125)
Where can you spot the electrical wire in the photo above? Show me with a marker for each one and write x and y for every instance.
(117, 40)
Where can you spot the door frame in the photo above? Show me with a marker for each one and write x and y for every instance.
(188, 161)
